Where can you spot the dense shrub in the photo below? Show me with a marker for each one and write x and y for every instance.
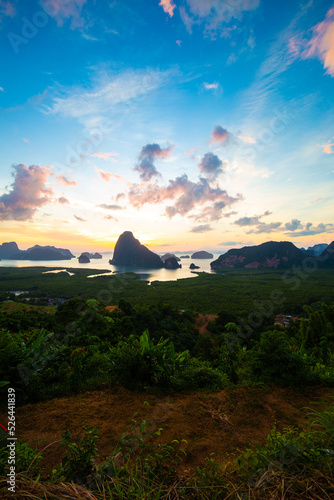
(273, 360)
(197, 374)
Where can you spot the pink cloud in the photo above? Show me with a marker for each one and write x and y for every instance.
(186, 195)
(327, 148)
(63, 180)
(321, 44)
(168, 6)
(62, 10)
(214, 13)
(110, 217)
(63, 201)
(105, 156)
(28, 193)
(147, 157)
(7, 9)
(106, 176)
(191, 152)
(246, 139)
(220, 136)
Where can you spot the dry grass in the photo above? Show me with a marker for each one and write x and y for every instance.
(203, 420)
(308, 484)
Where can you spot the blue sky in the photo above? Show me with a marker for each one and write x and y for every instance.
(193, 123)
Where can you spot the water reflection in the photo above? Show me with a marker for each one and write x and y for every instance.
(144, 274)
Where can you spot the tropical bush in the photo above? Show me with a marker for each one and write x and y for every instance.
(274, 361)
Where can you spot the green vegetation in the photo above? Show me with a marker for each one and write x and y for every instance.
(157, 348)
(155, 342)
(240, 292)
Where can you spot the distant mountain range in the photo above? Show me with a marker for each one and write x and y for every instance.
(11, 251)
(272, 254)
(130, 252)
(316, 249)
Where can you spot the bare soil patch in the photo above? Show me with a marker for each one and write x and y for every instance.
(220, 423)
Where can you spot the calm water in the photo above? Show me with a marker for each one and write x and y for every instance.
(146, 274)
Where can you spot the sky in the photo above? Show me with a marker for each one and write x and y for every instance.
(195, 124)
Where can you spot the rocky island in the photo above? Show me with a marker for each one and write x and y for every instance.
(172, 263)
(8, 249)
(202, 255)
(193, 266)
(83, 259)
(168, 256)
(130, 252)
(36, 252)
(95, 255)
(274, 254)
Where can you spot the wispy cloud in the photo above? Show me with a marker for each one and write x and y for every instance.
(213, 14)
(201, 229)
(62, 11)
(79, 218)
(260, 96)
(244, 138)
(318, 200)
(230, 243)
(192, 153)
(321, 44)
(211, 86)
(110, 207)
(89, 37)
(107, 176)
(107, 92)
(105, 156)
(28, 192)
(110, 217)
(64, 180)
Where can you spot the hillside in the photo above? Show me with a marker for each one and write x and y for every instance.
(327, 256)
(272, 254)
(38, 252)
(220, 423)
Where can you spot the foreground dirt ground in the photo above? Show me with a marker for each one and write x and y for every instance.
(220, 423)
